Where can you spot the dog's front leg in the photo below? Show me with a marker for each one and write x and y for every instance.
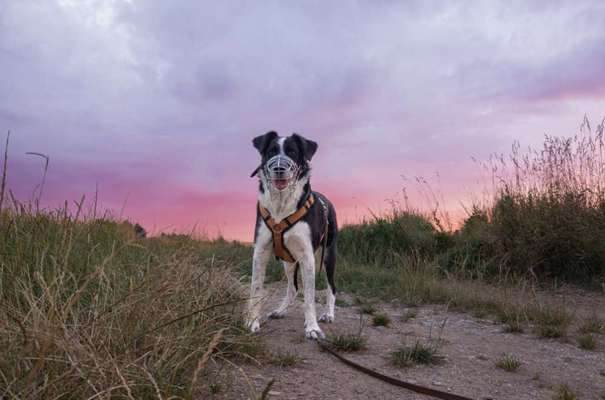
(312, 330)
(262, 253)
(282, 309)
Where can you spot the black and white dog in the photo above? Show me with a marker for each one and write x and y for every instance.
(284, 191)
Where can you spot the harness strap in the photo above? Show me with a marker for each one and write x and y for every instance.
(278, 229)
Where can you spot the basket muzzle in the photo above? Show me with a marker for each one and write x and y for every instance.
(281, 172)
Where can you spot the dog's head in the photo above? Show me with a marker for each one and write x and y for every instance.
(284, 160)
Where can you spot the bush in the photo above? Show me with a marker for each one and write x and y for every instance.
(547, 218)
(384, 239)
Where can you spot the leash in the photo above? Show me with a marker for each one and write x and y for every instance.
(438, 394)
(324, 238)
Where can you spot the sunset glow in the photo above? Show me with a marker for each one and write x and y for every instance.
(153, 104)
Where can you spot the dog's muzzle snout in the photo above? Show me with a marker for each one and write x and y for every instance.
(281, 171)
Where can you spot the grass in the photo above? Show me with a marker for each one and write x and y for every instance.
(409, 314)
(88, 308)
(513, 319)
(563, 392)
(592, 324)
(381, 320)
(215, 388)
(367, 309)
(509, 363)
(419, 353)
(347, 342)
(92, 310)
(587, 342)
(284, 359)
(342, 303)
(551, 322)
(418, 281)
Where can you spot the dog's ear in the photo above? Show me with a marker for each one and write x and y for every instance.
(262, 142)
(307, 146)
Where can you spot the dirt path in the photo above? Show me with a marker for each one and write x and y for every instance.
(471, 348)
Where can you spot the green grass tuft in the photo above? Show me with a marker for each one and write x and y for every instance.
(409, 314)
(367, 309)
(563, 392)
(587, 342)
(284, 359)
(419, 353)
(592, 324)
(551, 322)
(509, 363)
(342, 303)
(347, 342)
(381, 320)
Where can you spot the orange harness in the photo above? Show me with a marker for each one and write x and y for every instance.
(278, 229)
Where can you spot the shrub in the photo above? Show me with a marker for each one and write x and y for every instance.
(547, 216)
(385, 238)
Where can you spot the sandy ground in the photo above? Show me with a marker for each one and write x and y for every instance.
(471, 347)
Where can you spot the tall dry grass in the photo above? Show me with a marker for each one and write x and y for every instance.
(89, 311)
(546, 218)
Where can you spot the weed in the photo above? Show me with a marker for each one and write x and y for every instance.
(587, 342)
(509, 363)
(381, 320)
(512, 318)
(342, 303)
(347, 342)
(551, 322)
(215, 388)
(592, 324)
(409, 314)
(564, 393)
(367, 309)
(419, 353)
(284, 359)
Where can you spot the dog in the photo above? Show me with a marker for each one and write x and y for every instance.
(292, 223)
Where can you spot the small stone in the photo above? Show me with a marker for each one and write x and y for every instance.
(274, 393)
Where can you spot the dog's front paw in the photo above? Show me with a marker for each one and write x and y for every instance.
(253, 325)
(314, 333)
(326, 318)
(277, 314)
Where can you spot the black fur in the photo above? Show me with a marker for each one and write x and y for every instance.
(302, 150)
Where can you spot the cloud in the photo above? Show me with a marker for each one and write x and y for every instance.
(138, 94)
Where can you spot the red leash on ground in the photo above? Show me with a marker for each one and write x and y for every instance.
(389, 379)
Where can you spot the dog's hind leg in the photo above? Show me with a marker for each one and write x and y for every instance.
(330, 266)
(290, 269)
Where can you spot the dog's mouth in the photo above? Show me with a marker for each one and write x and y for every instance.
(281, 184)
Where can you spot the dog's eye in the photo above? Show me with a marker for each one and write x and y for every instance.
(291, 152)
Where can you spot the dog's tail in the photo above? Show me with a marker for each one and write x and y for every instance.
(296, 276)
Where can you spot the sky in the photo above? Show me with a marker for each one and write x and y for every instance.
(152, 104)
